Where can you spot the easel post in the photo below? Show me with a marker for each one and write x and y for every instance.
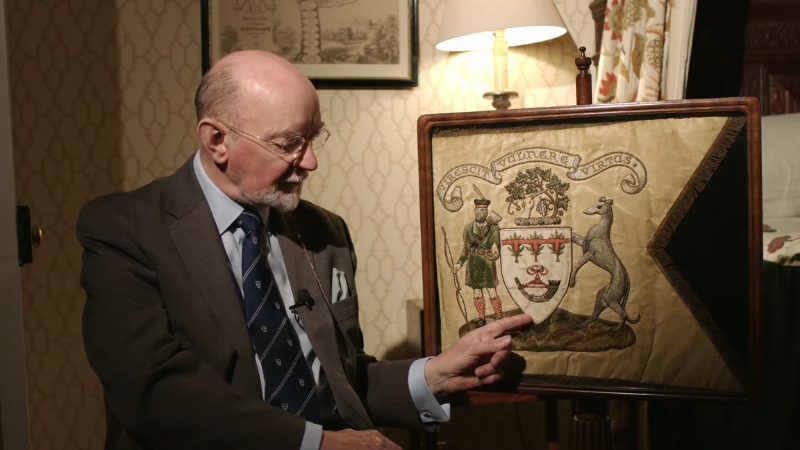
(583, 81)
(591, 425)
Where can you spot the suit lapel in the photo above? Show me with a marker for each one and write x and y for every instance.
(200, 247)
(318, 321)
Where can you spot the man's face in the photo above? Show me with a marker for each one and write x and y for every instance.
(263, 177)
(481, 212)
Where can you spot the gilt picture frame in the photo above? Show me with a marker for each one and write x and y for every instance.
(335, 43)
(630, 233)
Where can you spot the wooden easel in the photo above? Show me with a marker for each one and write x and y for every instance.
(591, 424)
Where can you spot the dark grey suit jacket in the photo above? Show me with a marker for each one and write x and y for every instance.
(165, 333)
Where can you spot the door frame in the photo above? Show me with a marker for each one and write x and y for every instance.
(13, 393)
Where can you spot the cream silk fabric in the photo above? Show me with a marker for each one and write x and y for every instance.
(642, 166)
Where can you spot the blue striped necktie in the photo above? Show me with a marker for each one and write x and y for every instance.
(288, 382)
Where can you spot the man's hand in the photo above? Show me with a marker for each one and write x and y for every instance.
(457, 267)
(474, 360)
(357, 440)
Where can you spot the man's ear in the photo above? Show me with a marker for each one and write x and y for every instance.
(212, 140)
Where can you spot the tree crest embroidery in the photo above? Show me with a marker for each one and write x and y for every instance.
(538, 190)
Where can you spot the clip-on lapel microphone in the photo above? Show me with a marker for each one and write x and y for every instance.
(303, 299)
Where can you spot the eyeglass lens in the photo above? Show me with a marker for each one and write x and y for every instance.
(295, 144)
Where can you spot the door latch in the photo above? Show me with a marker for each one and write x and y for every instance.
(28, 236)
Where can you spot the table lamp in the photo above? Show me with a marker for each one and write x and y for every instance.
(498, 24)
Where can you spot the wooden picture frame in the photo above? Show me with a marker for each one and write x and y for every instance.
(335, 43)
(655, 208)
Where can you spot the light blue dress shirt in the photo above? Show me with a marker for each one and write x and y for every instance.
(225, 211)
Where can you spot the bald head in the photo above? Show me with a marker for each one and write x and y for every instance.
(248, 105)
(246, 73)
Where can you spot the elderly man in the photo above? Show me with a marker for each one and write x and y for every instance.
(221, 309)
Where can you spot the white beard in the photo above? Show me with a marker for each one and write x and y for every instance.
(281, 201)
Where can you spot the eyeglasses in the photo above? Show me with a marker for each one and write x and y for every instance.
(293, 147)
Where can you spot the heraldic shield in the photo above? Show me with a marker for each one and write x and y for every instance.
(536, 263)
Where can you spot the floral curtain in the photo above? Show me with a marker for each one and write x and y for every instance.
(633, 51)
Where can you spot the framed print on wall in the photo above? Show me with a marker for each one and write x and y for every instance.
(335, 43)
(630, 233)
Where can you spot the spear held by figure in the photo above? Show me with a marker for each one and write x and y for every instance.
(459, 298)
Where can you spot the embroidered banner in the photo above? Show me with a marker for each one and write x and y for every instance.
(572, 225)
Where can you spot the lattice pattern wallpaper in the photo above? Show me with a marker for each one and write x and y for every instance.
(102, 101)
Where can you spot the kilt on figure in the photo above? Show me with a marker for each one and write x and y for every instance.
(481, 250)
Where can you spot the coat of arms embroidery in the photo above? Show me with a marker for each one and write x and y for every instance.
(532, 259)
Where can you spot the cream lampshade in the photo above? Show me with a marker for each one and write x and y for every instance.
(498, 24)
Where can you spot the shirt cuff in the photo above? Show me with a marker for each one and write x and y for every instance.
(428, 407)
(312, 438)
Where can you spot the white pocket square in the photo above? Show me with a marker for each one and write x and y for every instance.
(339, 288)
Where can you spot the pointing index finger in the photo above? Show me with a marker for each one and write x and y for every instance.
(499, 327)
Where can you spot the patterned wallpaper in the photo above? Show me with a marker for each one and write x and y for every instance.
(101, 101)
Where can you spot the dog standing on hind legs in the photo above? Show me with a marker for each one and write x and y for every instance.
(598, 249)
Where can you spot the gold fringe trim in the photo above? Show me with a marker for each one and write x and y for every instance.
(697, 182)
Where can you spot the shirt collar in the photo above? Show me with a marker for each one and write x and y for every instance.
(223, 208)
